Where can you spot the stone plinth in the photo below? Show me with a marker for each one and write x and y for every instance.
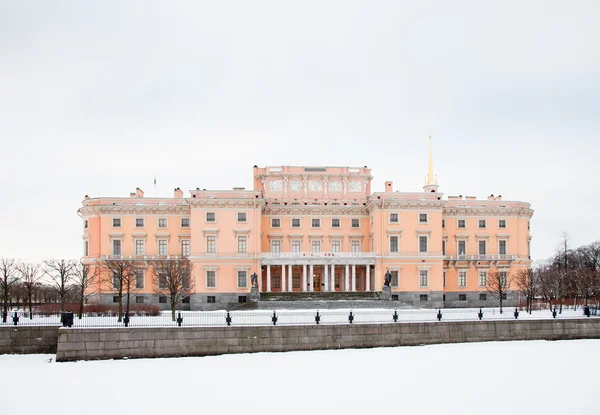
(386, 293)
(254, 295)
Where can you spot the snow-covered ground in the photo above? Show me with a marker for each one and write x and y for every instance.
(477, 378)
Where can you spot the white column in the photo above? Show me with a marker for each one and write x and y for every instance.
(312, 278)
(326, 276)
(347, 279)
(332, 286)
(290, 284)
(353, 278)
(268, 278)
(368, 281)
(283, 278)
(304, 277)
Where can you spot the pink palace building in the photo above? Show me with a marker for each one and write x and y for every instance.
(314, 229)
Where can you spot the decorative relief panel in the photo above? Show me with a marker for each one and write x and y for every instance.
(276, 185)
(335, 186)
(295, 185)
(315, 185)
(354, 186)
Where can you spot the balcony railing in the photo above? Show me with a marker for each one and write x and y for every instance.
(140, 257)
(319, 254)
(481, 257)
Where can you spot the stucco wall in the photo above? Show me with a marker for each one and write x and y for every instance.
(81, 344)
(28, 340)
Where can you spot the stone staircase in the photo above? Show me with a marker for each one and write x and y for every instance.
(320, 296)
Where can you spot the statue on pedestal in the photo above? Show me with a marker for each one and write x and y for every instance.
(388, 279)
(254, 279)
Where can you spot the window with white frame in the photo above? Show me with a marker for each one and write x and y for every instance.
(336, 246)
(275, 223)
(482, 279)
(85, 224)
(211, 279)
(482, 223)
(395, 279)
(315, 246)
(443, 247)
(116, 222)
(461, 247)
(482, 247)
(502, 223)
(296, 245)
(462, 279)
(502, 247)
(242, 244)
(117, 280)
(394, 243)
(355, 246)
(276, 245)
(242, 217)
(423, 278)
(461, 223)
(139, 278)
(444, 279)
(86, 249)
(355, 223)
(295, 222)
(186, 249)
(162, 222)
(443, 223)
(422, 243)
(140, 247)
(139, 222)
(422, 217)
(185, 222)
(116, 245)
(211, 217)
(162, 247)
(335, 222)
(315, 223)
(503, 278)
(162, 281)
(242, 279)
(393, 218)
(211, 244)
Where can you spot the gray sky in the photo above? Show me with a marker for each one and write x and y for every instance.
(97, 97)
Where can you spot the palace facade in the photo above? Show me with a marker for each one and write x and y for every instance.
(317, 229)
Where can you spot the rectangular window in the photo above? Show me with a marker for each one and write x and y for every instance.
(355, 246)
(296, 246)
(116, 281)
(335, 222)
(242, 299)
(336, 246)
(315, 223)
(482, 246)
(211, 217)
(211, 244)
(393, 218)
(139, 299)
(295, 281)
(162, 299)
(186, 299)
(85, 224)
(444, 248)
(115, 298)
(162, 247)
(140, 247)
(162, 222)
(482, 223)
(422, 217)
(211, 279)
(242, 244)
(86, 249)
(162, 281)
(422, 243)
(462, 279)
(502, 247)
(462, 247)
(276, 246)
(315, 246)
(503, 275)
(444, 279)
(116, 222)
(185, 222)
(276, 281)
(482, 296)
(186, 249)
(482, 278)
(462, 297)
(393, 244)
(211, 299)
(443, 223)
(355, 223)
(241, 217)
(461, 224)
(423, 278)
(395, 279)
(139, 222)
(275, 223)
(502, 223)
(423, 297)
(241, 279)
(295, 222)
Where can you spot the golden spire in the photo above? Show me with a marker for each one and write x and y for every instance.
(431, 178)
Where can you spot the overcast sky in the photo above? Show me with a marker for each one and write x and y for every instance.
(97, 97)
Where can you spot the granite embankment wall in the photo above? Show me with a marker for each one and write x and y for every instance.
(87, 344)
(28, 339)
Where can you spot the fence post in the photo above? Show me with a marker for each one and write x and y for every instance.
(274, 318)
(439, 315)
(395, 316)
(228, 319)
(350, 318)
(317, 317)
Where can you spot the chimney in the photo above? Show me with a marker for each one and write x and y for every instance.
(178, 193)
(132, 194)
(389, 186)
(139, 192)
(491, 197)
(499, 197)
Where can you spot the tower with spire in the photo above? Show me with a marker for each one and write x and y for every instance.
(431, 182)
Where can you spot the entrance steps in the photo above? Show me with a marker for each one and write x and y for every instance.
(319, 296)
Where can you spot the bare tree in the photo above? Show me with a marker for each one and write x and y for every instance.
(8, 280)
(173, 279)
(526, 282)
(30, 279)
(119, 274)
(83, 278)
(60, 272)
(498, 285)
